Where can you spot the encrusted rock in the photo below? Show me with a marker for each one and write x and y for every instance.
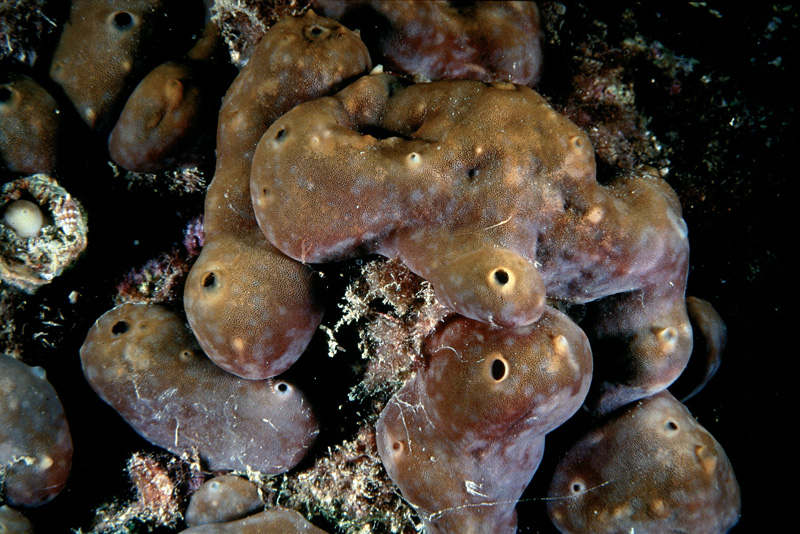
(27, 263)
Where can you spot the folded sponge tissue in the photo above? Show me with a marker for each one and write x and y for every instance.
(24, 217)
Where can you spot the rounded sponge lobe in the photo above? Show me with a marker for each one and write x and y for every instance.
(145, 363)
(491, 284)
(35, 441)
(252, 309)
(463, 438)
(647, 468)
(222, 499)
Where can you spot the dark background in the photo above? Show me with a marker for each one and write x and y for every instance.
(728, 132)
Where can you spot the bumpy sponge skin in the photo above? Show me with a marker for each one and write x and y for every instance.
(273, 521)
(105, 48)
(143, 361)
(252, 309)
(463, 438)
(169, 119)
(30, 125)
(648, 468)
(35, 442)
(448, 40)
(489, 194)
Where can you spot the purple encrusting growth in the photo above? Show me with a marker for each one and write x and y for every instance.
(649, 468)
(489, 194)
(463, 438)
(145, 363)
(253, 309)
(35, 443)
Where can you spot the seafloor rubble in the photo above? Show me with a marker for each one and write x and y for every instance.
(644, 91)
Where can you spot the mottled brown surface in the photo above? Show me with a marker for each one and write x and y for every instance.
(710, 338)
(163, 120)
(222, 499)
(721, 127)
(28, 263)
(30, 125)
(14, 522)
(650, 468)
(463, 438)
(169, 119)
(272, 521)
(104, 49)
(144, 362)
(35, 443)
(490, 195)
(252, 308)
(446, 40)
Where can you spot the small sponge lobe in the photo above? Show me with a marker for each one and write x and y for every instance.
(651, 468)
(145, 363)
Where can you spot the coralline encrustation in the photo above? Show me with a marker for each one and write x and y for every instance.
(29, 262)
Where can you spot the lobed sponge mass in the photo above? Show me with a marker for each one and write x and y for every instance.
(476, 185)
(489, 194)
